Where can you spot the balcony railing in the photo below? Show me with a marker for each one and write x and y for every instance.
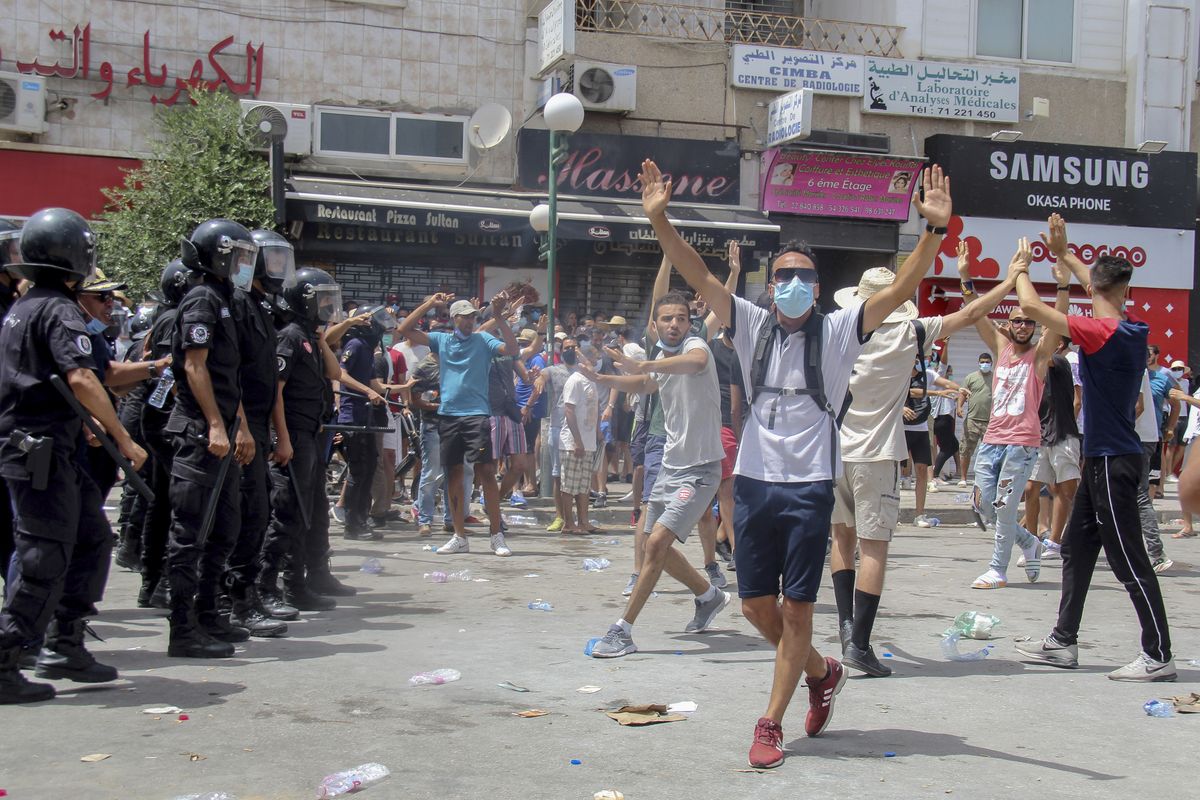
(696, 23)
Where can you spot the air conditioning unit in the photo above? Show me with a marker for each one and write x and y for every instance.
(290, 121)
(603, 87)
(22, 103)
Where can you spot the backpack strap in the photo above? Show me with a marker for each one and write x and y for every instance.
(919, 327)
(815, 384)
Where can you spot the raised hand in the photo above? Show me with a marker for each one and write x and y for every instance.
(441, 299)
(734, 253)
(656, 193)
(936, 206)
(964, 261)
(1056, 242)
(1020, 260)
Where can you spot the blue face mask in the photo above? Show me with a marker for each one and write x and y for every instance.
(96, 327)
(386, 339)
(794, 298)
(244, 277)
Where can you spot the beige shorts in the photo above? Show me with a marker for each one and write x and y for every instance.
(1058, 463)
(867, 499)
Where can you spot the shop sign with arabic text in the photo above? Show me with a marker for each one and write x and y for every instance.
(785, 69)
(938, 89)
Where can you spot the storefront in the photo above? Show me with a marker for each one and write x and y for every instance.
(37, 179)
(1121, 202)
(847, 207)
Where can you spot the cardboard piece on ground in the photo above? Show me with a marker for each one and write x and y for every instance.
(94, 757)
(644, 714)
(533, 712)
(1187, 704)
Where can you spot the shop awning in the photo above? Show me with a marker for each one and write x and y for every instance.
(621, 225)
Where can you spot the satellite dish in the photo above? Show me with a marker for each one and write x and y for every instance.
(488, 126)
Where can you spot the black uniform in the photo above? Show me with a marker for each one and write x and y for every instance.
(361, 449)
(132, 518)
(307, 400)
(257, 342)
(157, 527)
(63, 539)
(7, 296)
(204, 322)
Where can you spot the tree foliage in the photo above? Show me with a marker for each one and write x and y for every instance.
(201, 166)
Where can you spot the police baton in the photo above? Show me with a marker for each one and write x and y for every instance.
(131, 474)
(356, 429)
(361, 396)
(300, 498)
(210, 510)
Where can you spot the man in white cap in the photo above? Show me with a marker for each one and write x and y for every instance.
(866, 497)
(464, 409)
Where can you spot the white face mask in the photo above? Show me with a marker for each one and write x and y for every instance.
(1177, 373)
(985, 368)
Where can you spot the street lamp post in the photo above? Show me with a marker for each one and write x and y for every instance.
(563, 114)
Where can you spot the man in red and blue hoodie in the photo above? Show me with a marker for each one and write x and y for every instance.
(1112, 352)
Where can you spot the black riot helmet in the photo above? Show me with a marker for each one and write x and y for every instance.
(10, 243)
(174, 283)
(56, 243)
(142, 322)
(222, 248)
(315, 296)
(276, 264)
(380, 322)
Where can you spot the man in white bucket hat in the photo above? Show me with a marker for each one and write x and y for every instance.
(866, 497)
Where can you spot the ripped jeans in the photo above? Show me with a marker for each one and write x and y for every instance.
(1001, 471)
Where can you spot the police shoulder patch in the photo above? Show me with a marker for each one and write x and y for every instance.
(198, 334)
(84, 344)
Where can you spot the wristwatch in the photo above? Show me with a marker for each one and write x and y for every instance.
(936, 231)
(152, 368)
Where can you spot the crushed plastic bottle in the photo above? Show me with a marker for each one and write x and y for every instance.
(1157, 708)
(435, 678)
(540, 605)
(951, 652)
(973, 625)
(371, 566)
(934, 522)
(204, 796)
(613, 541)
(596, 564)
(435, 577)
(521, 519)
(352, 780)
(962, 497)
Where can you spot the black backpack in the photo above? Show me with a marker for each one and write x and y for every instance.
(921, 405)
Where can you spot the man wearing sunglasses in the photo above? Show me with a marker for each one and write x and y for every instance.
(788, 459)
(1005, 460)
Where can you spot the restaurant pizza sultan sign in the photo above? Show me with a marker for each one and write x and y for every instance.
(237, 68)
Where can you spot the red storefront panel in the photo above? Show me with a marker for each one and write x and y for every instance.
(35, 180)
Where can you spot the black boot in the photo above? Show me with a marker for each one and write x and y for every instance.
(129, 554)
(64, 656)
(14, 688)
(29, 655)
(188, 640)
(217, 625)
(304, 599)
(146, 593)
(162, 594)
(268, 594)
(322, 581)
(248, 613)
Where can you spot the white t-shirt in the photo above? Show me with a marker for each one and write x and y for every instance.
(691, 412)
(412, 354)
(797, 450)
(1146, 423)
(873, 428)
(581, 393)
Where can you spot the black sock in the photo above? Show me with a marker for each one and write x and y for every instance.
(865, 607)
(843, 592)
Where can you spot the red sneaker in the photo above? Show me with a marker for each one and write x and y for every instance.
(767, 750)
(821, 694)
(471, 520)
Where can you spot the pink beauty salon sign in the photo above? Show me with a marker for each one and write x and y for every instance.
(820, 184)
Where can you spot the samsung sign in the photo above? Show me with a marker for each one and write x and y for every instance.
(1101, 185)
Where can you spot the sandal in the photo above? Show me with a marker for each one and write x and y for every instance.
(1184, 535)
(990, 580)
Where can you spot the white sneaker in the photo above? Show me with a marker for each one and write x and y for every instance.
(498, 545)
(1145, 669)
(962, 484)
(1162, 564)
(1050, 550)
(457, 544)
(933, 485)
(922, 521)
(625, 498)
(628, 590)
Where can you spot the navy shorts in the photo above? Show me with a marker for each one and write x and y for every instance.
(637, 443)
(782, 530)
(653, 463)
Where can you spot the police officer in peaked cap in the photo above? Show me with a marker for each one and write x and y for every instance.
(63, 540)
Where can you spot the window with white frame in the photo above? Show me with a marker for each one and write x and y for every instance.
(1029, 30)
(362, 133)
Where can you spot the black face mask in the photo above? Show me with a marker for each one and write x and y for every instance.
(569, 357)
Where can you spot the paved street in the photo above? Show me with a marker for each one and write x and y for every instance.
(280, 715)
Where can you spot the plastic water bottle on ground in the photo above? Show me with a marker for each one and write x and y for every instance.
(540, 605)
(951, 652)
(207, 796)
(962, 497)
(1157, 708)
(527, 520)
(596, 564)
(435, 577)
(974, 625)
(435, 678)
(371, 566)
(460, 575)
(351, 780)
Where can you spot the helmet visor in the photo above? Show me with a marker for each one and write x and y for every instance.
(10, 247)
(235, 257)
(327, 303)
(384, 319)
(279, 265)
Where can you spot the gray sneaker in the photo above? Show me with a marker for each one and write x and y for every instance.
(1145, 669)
(1048, 651)
(707, 612)
(715, 576)
(614, 644)
(628, 590)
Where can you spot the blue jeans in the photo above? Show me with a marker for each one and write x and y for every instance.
(431, 476)
(1001, 471)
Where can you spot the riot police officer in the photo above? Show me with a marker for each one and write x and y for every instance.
(133, 505)
(10, 253)
(361, 449)
(206, 365)
(274, 271)
(63, 540)
(173, 285)
(298, 539)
